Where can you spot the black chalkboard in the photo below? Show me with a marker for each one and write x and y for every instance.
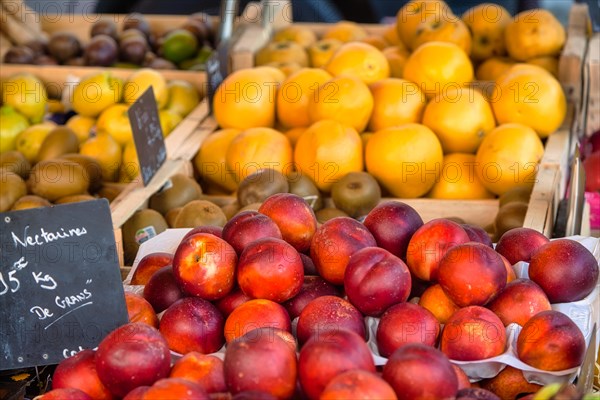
(60, 283)
(214, 77)
(147, 134)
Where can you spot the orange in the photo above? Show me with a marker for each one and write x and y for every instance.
(487, 23)
(345, 31)
(321, 52)
(534, 33)
(445, 30)
(396, 57)
(282, 52)
(140, 81)
(460, 118)
(459, 180)
(438, 66)
(492, 68)
(390, 34)
(417, 11)
(508, 158)
(361, 60)
(345, 99)
(276, 75)
(327, 151)
(258, 148)
(365, 136)
(406, 160)
(304, 36)
(396, 102)
(245, 99)
(130, 165)
(549, 63)
(210, 159)
(376, 41)
(288, 68)
(294, 94)
(530, 95)
(107, 151)
(114, 120)
(294, 134)
(82, 126)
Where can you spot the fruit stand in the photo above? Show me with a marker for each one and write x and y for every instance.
(303, 236)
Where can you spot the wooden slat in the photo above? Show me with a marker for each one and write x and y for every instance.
(579, 18)
(136, 194)
(592, 83)
(559, 147)
(61, 75)
(544, 200)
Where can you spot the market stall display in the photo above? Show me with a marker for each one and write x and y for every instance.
(365, 210)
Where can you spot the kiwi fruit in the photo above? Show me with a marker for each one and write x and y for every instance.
(30, 201)
(520, 193)
(257, 187)
(60, 140)
(12, 189)
(250, 207)
(91, 166)
(172, 215)
(304, 187)
(200, 213)
(141, 226)
(110, 190)
(327, 213)
(177, 192)
(16, 162)
(511, 215)
(76, 198)
(56, 178)
(230, 210)
(356, 194)
(457, 220)
(64, 46)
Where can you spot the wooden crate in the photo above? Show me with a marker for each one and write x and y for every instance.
(80, 25)
(185, 138)
(551, 179)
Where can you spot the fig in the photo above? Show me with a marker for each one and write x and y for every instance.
(137, 21)
(133, 49)
(19, 55)
(64, 46)
(102, 51)
(105, 27)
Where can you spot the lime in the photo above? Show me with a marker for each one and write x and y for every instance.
(179, 45)
(11, 124)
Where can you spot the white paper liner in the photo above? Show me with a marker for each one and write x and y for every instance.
(584, 313)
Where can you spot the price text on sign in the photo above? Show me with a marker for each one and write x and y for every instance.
(147, 135)
(60, 283)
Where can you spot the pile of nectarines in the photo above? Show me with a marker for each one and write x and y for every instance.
(236, 291)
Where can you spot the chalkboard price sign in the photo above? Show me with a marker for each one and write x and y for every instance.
(147, 134)
(60, 284)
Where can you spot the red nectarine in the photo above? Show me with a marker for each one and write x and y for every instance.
(375, 280)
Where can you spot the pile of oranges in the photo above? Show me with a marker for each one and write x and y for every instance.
(403, 104)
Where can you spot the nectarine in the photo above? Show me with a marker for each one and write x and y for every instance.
(375, 280)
